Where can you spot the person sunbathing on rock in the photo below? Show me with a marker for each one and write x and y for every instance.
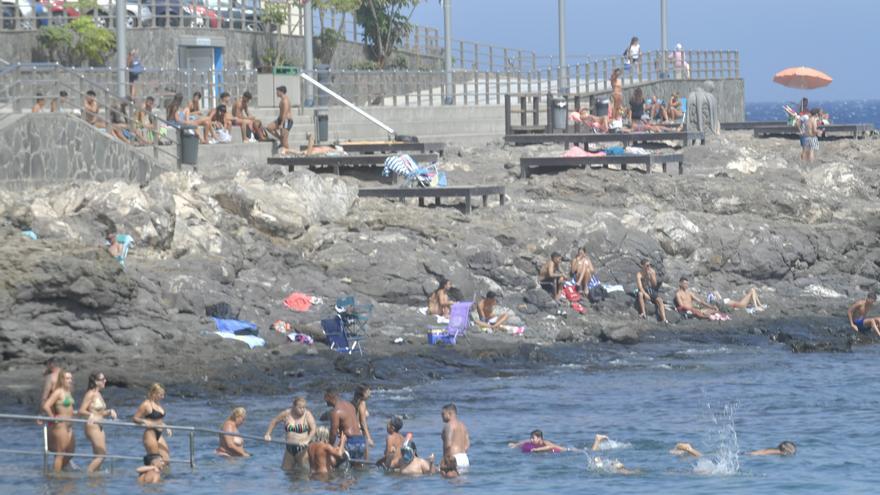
(551, 277)
(488, 320)
(858, 315)
(687, 301)
(646, 281)
(582, 269)
(438, 302)
(749, 300)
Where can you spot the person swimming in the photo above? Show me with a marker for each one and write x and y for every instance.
(785, 448)
(537, 444)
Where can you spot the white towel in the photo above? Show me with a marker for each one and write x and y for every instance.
(251, 340)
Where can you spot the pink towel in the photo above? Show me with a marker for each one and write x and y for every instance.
(577, 151)
(298, 301)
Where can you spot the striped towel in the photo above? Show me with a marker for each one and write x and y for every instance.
(594, 282)
(399, 164)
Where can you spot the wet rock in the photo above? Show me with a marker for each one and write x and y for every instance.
(626, 336)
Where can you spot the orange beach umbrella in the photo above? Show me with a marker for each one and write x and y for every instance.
(802, 78)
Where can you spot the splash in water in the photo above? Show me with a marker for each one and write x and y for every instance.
(725, 461)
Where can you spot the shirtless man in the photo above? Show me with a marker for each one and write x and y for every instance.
(344, 420)
(551, 277)
(456, 443)
(282, 125)
(685, 300)
(59, 103)
(323, 456)
(646, 281)
(858, 315)
(151, 471)
(811, 140)
(39, 104)
(582, 269)
(536, 444)
(486, 311)
(90, 110)
(241, 117)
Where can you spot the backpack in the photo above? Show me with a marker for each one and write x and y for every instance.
(597, 294)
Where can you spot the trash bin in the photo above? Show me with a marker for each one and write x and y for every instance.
(322, 126)
(602, 107)
(560, 112)
(188, 144)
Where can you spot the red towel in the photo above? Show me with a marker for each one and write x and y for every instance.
(298, 301)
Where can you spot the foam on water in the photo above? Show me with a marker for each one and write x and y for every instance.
(725, 460)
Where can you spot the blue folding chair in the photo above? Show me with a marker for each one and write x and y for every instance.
(459, 319)
(338, 338)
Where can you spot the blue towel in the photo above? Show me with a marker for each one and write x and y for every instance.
(30, 234)
(237, 327)
(614, 150)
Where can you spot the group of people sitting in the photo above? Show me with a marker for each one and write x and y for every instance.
(487, 315)
(651, 114)
(581, 276)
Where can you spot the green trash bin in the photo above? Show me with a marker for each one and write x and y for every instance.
(188, 144)
(287, 70)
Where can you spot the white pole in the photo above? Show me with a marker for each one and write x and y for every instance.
(449, 98)
(121, 51)
(347, 103)
(308, 34)
(562, 83)
(663, 37)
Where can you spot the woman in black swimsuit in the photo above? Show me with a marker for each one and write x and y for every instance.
(300, 427)
(151, 414)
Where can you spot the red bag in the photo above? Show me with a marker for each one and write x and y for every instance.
(579, 308)
(571, 293)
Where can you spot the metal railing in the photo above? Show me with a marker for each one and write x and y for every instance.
(45, 452)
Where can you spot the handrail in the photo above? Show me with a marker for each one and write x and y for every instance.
(192, 430)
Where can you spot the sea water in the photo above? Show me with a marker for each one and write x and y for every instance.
(725, 400)
(841, 111)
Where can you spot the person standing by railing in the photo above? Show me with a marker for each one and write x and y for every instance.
(95, 409)
(632, 55)
(232, 445)
(682, 68)
(60, 404)
(151, 414)
(135, 68)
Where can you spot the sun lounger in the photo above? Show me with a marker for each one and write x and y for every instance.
(466, 192)
(686, 138)
(528, 165)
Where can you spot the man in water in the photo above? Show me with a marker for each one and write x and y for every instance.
(686, 300)
(344, 420)
(536, 444)
(280, 128)
(486, 311)
(785, 448)
(858, 315)
(323, 456)
(646, 281)
(151, 471)
(401, 454)
(456, 443)
(551, 277)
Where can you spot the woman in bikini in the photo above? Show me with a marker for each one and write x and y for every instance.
(232, 446)
(94, 408)
(361, 393)
(150, 414)
(60, 404)
(616, 94)
(300, 427)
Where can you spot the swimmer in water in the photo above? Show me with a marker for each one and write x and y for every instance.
(60, 404)
(456, 443)
(785, 448)
(151, 471)
(536, 444)
(231, 445)
(401, 454)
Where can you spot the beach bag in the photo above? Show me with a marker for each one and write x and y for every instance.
(571, 293)
(597, 293)
(221, 310)
(579, 308)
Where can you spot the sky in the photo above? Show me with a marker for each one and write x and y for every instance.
(837, 37)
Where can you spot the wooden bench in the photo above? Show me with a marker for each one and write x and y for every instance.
(526, 164)
(466, 192)
(856, 131)
(390, 148)
(627, 138)
(748, 126)
(348, 161)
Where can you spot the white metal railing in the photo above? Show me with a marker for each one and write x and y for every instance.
(45, 452)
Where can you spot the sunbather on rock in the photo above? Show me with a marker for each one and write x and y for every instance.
(582, 269)
(551, 277)
(488, 319)
(438, 302)
(687, 301)
(646, 281)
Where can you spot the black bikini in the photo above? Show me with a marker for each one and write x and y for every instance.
(155, 415)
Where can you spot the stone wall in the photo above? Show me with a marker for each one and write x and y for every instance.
(40, 149)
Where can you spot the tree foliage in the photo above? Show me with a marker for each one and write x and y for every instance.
(78, 42)
(385, 23)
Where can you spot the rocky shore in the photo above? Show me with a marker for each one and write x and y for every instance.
(745, 214)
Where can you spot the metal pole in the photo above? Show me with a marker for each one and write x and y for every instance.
(449, 98)
(562, 83)
(45, 448)
(310, 56)
(121, 51)
(347, 103)
(663, 45)
(192, 450)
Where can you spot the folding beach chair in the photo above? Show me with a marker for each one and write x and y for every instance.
(459, 319)
(337, 337)
(355, 317)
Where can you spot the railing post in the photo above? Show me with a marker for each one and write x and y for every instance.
(491, 62)
(45, 448)
(192, 450)
(736, 62)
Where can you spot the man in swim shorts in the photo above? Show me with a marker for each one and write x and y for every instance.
(551, 277)
(456, 443)
(280, 128)
(858, 315)
(343, 419)
(486, 311)
(646, 281)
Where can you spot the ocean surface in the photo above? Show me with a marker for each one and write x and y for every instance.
(841, 111)
(724, 399)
